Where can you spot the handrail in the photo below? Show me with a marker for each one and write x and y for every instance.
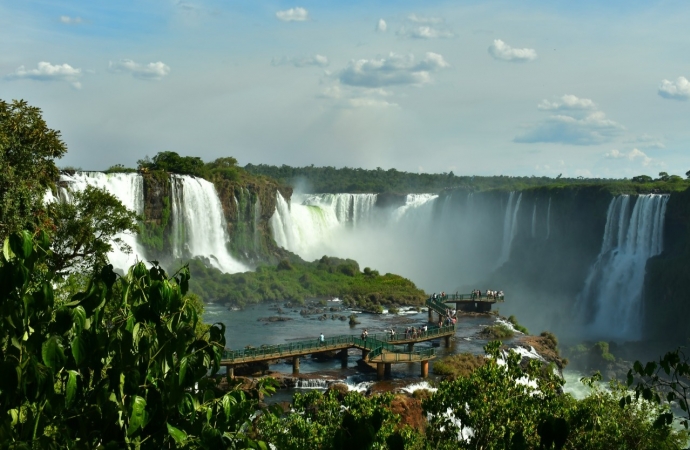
(459, 297)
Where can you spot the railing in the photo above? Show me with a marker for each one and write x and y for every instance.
(460, 297)
(373, 342)
(401, 356)
(378, 351)
(436, 305)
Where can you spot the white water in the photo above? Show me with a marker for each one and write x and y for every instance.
(129, 189)
(612, 295)
(548, 220)
(509, 228)
(205, 231)
(534, 220)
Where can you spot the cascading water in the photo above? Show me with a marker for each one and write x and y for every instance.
(612, 296)
(347, 208)
(548, 220)
(534, 220)
(199, 223)
(509, 228)
(129, 189)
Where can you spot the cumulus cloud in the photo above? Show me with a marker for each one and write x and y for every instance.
(361, 98)
(301, 61)
(71, 20)
(381, 26)
(293, 15)
(633, 155)
(393, 70)
(421, 19)
(424, 32)
(504, 52)
(675, 90)
(579, 123)
(150, 71)
(46, 71)
(567, 103)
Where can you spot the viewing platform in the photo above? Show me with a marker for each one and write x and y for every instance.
(463, 302)
(379, 349)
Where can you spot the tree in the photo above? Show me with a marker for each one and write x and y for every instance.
(172, 162)
(86, 228)
(687, 174)
(77, 376)
(642, 179)
(28, 149)
(663, 176)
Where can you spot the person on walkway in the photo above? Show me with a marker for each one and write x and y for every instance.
(322, 340)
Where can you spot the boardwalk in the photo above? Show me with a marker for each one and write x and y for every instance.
(463, 302)
(380, 349)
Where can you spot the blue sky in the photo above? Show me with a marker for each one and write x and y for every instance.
(529, 88)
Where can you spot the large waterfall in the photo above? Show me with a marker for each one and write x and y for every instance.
(129, 189)
(509, 227)
(198, 226)
(612, 296)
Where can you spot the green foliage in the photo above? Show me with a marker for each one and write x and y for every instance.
(86, 226)
(513, 320)
(347, 179)
(664, 382)
(119, 168)
(590, 356)
(454, 366)
(28, 149)
(297, 280)
(172, 162)
(498, 331)
(119, 365)
(325, 422)
(154, 236)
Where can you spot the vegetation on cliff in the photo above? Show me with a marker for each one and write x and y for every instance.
(355, 180)
(297, 280)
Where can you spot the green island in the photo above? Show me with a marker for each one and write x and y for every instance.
(297, 280)
(92, 359)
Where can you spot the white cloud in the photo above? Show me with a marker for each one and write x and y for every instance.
(421, 19)
(46, 71)
(568, 102)
(150, 71)
(71, 20)
(301, 61)
(504, 52)
(646, 141)
(293, 15)
(424, 32)
(394, 70)
(675, 90)
(633, 155)
(366, 98)
(381, 26)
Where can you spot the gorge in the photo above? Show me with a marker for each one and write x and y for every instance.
(577, 259)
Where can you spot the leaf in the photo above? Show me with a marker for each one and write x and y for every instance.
(71, 390)
(79, 318)
(22, 244)
(184, 362)
(178, 435)
(79, 349)
(137, 414)
(7, 250)
(53, 355)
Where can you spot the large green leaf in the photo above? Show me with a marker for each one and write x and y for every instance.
(22, 244)
(53, 355)
(178, 435)
(79, 349)
(184, 363)
(71, 390)
(137, 414)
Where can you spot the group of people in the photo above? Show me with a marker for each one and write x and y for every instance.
(414, 333)
(496, 295)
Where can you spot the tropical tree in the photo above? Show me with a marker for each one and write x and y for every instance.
(118, 366)
(28, 149)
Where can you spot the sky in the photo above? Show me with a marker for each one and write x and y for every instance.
(592, 89)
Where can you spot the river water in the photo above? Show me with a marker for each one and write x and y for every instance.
(244, 328)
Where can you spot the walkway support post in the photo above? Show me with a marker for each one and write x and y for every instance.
(431, 315)
(295, 365)
(343, 358)
(410, 346)
(387, 368)
(365, 353)
(447, 338)
(230, 372)
(425, 369)
(380, 370)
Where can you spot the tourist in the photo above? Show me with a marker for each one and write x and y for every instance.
(322, 340)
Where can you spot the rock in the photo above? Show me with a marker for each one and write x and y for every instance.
(273, 319)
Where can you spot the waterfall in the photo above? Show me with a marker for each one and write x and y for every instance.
(612, 295)
(534, 219)
(548, 220)
(347, 208)
(413, 203)
(205, 230)
(509, 227)
(129, 189)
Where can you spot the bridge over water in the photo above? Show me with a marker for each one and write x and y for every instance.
(379, 349)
